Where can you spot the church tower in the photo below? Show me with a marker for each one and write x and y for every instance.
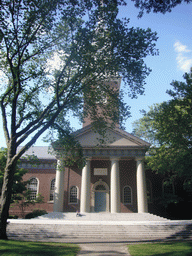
(114, 84)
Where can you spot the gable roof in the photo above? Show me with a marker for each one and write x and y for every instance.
(42, 152)
(114, 138)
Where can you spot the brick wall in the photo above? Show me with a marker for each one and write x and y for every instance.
(44, 177)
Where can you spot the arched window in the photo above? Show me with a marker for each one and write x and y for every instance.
(168, 188)
(73, 195)
(52, 189)
(100, 187)
(32, 187)
(127, 195)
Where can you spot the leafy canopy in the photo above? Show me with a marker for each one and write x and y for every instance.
(156, 6)
(169, 128)
(92, 47)
(54, 54)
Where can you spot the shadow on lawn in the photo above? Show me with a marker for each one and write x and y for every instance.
(35, 248)
(185, 233)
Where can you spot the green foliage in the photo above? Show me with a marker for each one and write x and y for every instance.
(170, 160)
(13, 217)
(19, 186)
(24, 200)
(90, 45)
(69, 151)
(54, 56)
(157, 6)
(35, 213)
(169, 128)
(175, 123)
(20, 194)
(145, 127)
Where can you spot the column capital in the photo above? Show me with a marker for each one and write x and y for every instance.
(115, 158)
(139, 158)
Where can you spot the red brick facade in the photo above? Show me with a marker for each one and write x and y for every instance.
(44, 173)
(127, 178)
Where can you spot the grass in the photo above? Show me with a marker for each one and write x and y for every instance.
(161, 249)
(13, 248)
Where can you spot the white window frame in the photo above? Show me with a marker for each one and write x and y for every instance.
(76, 196)
(37, 187)
(52, 190)
(125, 203)
(93, 191)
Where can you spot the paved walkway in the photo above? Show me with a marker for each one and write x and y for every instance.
(101, 249)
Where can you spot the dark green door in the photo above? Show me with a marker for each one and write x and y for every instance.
(100, 201)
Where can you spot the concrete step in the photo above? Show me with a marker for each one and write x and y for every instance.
(67, 216)
(64, 232)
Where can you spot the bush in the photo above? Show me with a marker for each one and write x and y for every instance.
(35, 213)
(13, 217)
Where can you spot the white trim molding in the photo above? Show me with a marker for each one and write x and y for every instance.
(93, 190)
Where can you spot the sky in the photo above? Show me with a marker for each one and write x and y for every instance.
(175, 58)
(175, 54)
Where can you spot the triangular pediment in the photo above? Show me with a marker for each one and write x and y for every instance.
(113, 138)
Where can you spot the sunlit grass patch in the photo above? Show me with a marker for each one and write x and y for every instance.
(161, 249)
(13, 248)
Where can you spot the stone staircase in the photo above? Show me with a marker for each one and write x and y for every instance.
(107, 228)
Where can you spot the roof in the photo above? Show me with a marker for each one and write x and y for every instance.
(42, 152)
(114, 138)
(88, 138)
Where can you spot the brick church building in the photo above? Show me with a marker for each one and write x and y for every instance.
(113, 179)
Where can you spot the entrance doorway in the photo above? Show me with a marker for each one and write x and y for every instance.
(100, 197)
(100, 201)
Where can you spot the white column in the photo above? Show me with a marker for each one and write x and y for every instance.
(142, 204)
(85, 187)
(59, 189)
(115, 186)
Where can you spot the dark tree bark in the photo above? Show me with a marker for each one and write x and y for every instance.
(7, 192)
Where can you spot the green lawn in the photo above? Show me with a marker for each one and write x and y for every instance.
(161, 249)
(13, 248)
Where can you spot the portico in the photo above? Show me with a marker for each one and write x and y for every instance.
(113, 178)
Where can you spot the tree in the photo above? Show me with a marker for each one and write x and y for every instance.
(24, 200)
(20, 194)
(92, 46)
(19, 186)
(169, 126)
(145, 127)
(161, 6)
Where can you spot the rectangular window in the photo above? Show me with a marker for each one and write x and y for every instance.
(32, 188)
(73, 195)
(52, 189)
(127, 195)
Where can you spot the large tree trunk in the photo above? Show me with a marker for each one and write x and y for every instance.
(6, 195)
